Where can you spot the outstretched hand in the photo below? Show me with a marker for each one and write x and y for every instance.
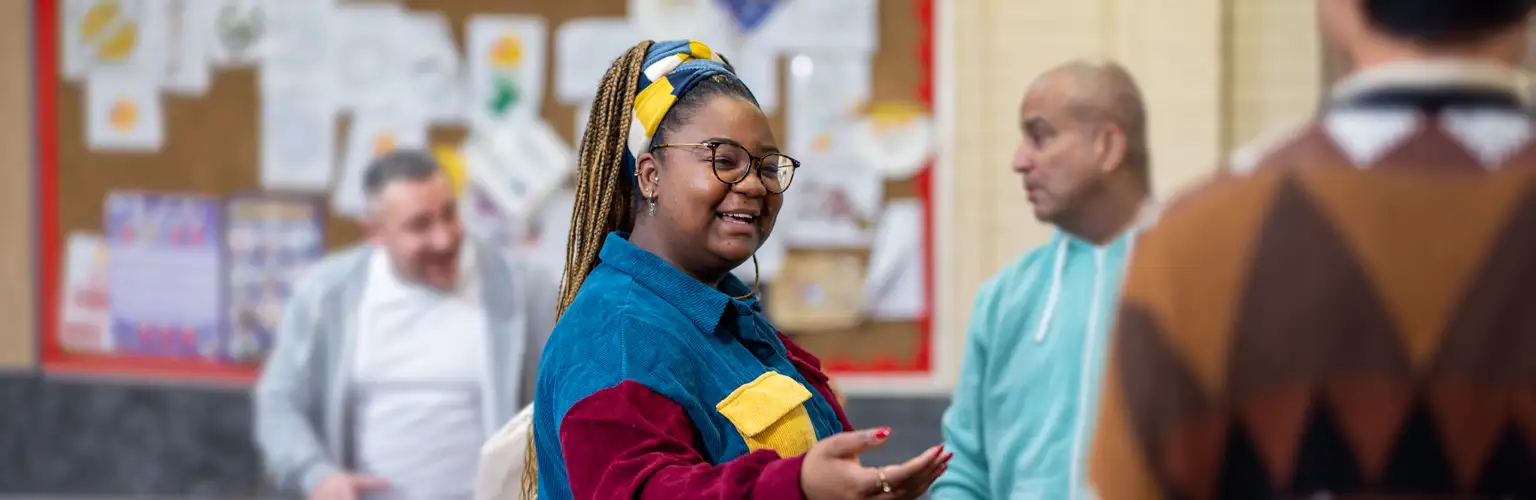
(831, 469)
(346, 486)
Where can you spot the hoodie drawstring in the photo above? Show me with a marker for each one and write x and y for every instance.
(1050, 298)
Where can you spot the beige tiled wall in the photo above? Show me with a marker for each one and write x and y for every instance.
(1215, 73)
(16, 300)
(1275, 53)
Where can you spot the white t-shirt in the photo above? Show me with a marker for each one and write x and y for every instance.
(416, 385)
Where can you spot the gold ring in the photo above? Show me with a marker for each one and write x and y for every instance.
(885, 487)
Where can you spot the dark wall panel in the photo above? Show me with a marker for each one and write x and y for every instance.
(79, 438)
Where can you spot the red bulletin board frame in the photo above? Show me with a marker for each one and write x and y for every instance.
(56, 360)
(921, 363)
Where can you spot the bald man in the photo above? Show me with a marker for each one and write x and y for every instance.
(1019, 421)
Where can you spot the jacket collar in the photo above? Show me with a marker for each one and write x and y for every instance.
(1438, 76)
(702, 305)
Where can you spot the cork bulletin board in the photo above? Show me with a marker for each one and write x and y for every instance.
(211, 147)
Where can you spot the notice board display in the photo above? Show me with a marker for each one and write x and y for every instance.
(208, 156)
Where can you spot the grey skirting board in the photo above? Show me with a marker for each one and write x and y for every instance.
(94, 439)
(75, 437)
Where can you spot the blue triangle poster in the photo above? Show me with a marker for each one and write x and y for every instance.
(750, 14)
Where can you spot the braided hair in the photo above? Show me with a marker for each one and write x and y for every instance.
(605, 190)
(604, 200)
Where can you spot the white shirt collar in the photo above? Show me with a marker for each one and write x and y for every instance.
(390, 287)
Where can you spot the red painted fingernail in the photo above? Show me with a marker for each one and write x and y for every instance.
(941, 449)
(947, 457)
(883, 433)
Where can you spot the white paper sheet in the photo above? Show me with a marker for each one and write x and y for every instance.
(370, 44)
(584, 49)
(506, 56)
(546, 240)
(187, 70)
(519, 164)
(298, 133)
(583, 113)
(432, 77)
(827, 90)
(894, 285)
(237, 31)
(834, 198)
(830, 207)
(373, 134)
(299, 36)
(123, 111)
(823, 24)
(676, 19)
(757, 64)
(113, 34)
(85, 316)
(486, 220)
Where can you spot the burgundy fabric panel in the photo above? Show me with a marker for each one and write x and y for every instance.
(810, 368)
(628, 441)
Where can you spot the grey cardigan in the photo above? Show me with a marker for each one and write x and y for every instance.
(300, 398)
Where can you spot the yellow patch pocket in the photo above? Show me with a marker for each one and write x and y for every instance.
(769, 413)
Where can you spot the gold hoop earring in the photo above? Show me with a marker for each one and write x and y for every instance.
(756, 280)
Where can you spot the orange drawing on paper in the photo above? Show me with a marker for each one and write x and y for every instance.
(507, 53)
(822, 142)
(124, 114)
(383, 144)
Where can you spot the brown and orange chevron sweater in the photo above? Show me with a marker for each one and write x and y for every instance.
(1348, 314)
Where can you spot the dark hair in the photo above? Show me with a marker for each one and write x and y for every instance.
(1445, 21)
(399, 165)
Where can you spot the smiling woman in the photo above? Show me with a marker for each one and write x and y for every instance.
(663, 378)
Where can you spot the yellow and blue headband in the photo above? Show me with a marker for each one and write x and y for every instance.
(671, 68)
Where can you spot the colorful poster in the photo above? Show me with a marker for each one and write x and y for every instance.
(506, 67)
(164, 277)
(271, 240)
(84, 317)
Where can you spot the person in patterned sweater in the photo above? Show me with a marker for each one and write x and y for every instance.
(1347, 311)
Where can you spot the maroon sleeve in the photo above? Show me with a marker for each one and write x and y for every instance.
(627, 441)
(810, 368)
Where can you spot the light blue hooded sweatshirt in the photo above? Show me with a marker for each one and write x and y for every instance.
(1022, 412)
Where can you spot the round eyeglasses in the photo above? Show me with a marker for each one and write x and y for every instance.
(732, 163)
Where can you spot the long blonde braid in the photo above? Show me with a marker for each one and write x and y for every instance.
(603, 196)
